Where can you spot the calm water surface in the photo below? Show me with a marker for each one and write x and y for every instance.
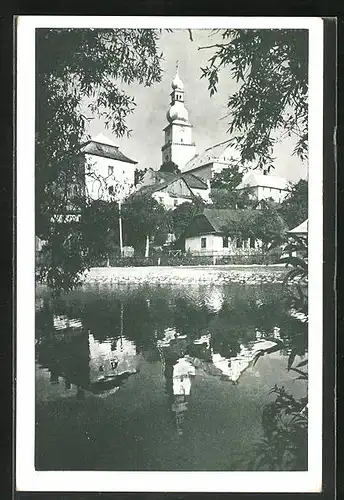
(156, 378)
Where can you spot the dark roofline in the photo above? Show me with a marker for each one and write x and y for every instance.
(116, 159)
(261, 185)
(198, 167)
(128, 160)
(97, 142)
(184, 125)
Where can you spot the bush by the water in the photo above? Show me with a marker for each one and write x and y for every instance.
(189, 260)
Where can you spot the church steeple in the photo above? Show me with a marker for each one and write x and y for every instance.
(178, 146)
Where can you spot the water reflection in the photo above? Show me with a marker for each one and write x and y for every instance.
(91, 343)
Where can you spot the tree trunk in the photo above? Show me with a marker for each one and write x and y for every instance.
(147, 247)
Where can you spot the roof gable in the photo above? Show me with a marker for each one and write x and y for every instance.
(93, 147)
(220, 217)
(300, 229)
(161, 186)
(223, 151)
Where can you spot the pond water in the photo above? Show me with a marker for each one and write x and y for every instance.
(158, 377)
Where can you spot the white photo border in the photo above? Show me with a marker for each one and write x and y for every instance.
(27, 478)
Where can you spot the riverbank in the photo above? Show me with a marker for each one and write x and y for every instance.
(249, 274)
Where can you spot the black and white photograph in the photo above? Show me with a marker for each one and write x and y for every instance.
(169, 203)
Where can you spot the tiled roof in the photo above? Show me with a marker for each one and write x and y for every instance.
(153, 188)
(209, 155)
(105, 151)
(192, 180)
(254, 179)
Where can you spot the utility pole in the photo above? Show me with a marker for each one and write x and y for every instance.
(120, 229)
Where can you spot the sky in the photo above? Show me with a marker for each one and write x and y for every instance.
(206, 113)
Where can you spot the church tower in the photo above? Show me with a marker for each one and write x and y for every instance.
(178, 147)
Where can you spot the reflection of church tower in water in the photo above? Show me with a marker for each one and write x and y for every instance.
(179, 147)
(178, 375)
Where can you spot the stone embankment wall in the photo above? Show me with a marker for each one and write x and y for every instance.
(184, 275)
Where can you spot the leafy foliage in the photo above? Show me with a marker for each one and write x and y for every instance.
(270, 67)
(170, 166)
(229, 178)
(294, 208)
(223, 193)
(264, 224)
(139, 174)
(183, 214)
(143, 217)
(80, 71)
(284, 444)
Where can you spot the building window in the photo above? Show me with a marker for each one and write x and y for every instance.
(225, 242)
(110, 189)
(252, 243)
(110, 170)
(239, 243)
(175, 203)
(181, 139)
(203, 242)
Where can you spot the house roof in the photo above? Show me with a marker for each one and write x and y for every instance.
(254, 179)
(209, 155)
(220, 217)
(153, 188)
(104, 150)
(215, 220)
(301, 229)
(192, 180)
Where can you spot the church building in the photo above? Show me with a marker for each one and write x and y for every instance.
(179, 146)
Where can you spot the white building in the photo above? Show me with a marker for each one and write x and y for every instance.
(109, 174)
(206, 234)
(171, 189)
(212, 160)
(264, 186)
(179, 147)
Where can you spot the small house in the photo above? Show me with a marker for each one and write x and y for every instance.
(109, 173)
(171, 190)
(181, 187)
(206, 234)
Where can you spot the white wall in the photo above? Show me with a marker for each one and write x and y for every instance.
(263, 193)
(214, 245)
(277, 195)
(181, 149)
(98, 178)
(203, 193)
(169, 202)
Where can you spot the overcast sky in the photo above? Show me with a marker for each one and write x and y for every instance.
(205, 113)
